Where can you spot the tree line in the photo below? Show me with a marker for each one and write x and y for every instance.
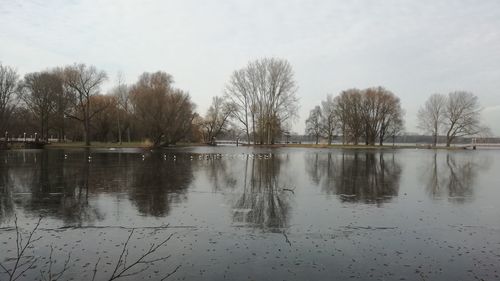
(375, 114)
(258, 105)
(67, 103)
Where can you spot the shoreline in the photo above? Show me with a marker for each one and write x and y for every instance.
(145, 145)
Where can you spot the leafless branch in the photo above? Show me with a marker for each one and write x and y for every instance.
(286, 239)
(123, 270)
(95, 269)
(19, 265)
(171, 273)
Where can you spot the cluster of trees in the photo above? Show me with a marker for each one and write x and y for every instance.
(66, 102)
(370, 115)
(259, 103)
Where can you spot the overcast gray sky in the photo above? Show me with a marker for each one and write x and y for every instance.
(413, 48)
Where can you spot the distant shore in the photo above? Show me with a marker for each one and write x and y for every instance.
(146, 145)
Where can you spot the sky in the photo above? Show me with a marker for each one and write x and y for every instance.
(412, 48)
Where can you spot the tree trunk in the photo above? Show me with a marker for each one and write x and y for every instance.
(449, 138)
(268, 133)
(86, 133)
(86, 118)
(119, 130)
(435, 135)
(253, 128)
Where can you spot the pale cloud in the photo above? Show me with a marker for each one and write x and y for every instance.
(414, 48)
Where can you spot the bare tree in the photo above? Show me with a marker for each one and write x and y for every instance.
(63, 104)
(121, 92)
(431, 116)
(313, 123)
(462, 116)
(83, 82)
(456, 115)
(372, 114)
(329, 119)
(166, 114)
(103, 122)
(390, 115)
(217, 117)
(264, 92)
(40, 92)
(8, 91)
(348, 110)
(239, 91)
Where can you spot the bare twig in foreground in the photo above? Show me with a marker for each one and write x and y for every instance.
(22, 263)
(125, 269)
(55, 276)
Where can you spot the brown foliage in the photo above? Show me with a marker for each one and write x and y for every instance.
(165, 113)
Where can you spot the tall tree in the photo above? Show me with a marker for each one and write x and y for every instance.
(239, 91)
(329, 119)
(8, 91)
(83, 82)
(313, 123)
(431, 116)
(348, 110)
(104, 120)
(122, 93)
(165, 113)
(461, 116)
(40, 92)
(265, 93)
(371, 114)
(389, 119)
(216, 120)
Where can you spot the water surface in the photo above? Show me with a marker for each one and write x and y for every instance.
(259, 214)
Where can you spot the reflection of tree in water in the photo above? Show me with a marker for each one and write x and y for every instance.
(45, 183)
(356, 176)
(315, 166)
(156, 184)
(47, 187)
(55, 189)
(6, 203)
(451, 177)
(263, 202)
(218, 172)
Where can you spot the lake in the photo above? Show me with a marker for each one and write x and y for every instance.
(239, 213)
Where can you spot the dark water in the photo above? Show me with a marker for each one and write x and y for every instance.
(258, 214)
